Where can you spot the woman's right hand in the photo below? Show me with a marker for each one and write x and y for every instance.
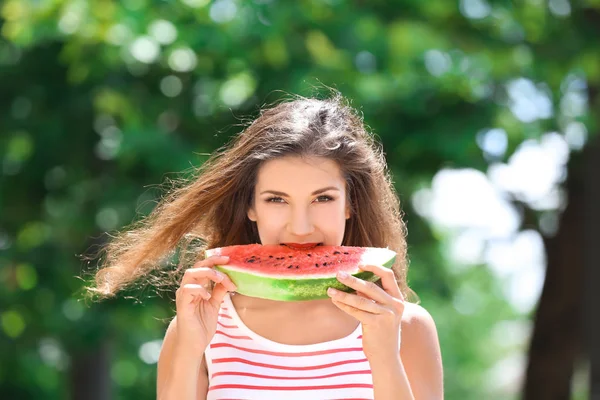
(197, 307)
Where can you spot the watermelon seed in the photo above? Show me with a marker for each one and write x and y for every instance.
(324, 264)
(345, 252)
(290, 256)
(297, 267)
(290, 266)
(251, 260)
(270, 256)
(317, 265)
(308, 254)
(336, 252)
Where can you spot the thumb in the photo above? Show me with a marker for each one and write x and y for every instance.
(217, 295)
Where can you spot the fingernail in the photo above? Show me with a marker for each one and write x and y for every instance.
(220, 276)
(343, 274)
(331, 291)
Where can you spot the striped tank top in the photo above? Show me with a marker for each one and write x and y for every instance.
(244, 365)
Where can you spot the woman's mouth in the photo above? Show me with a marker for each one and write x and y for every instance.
(301, 246)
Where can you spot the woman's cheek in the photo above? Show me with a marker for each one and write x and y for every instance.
(272, 218)
(331, 213)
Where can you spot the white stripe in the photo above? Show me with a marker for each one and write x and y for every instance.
(244, 367)
(290, 394)
(250, 380)
(224, 352)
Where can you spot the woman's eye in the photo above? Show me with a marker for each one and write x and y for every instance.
(275, 200)
(324, 199)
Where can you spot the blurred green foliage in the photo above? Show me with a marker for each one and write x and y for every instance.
(102, 100)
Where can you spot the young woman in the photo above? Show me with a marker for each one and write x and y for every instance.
(304, 173)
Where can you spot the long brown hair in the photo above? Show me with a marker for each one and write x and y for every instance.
(210, 208)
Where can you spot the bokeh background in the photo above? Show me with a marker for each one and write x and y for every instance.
(486, 110)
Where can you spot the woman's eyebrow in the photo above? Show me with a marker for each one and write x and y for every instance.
(318, 191)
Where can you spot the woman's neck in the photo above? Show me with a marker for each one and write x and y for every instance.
(255, 303)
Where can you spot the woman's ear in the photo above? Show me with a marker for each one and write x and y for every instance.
(348, 211)
(252, 214)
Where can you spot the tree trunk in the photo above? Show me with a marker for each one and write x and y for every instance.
(557, 340)
(90, 374)
(555, 343)
(592, 261)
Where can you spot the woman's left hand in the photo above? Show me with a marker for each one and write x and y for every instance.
(379, 310)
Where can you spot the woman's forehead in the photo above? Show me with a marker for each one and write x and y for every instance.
(290, 171)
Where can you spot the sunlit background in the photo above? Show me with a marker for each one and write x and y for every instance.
(480, 106)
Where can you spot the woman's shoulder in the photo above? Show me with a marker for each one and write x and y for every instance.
(418, 327)
(420, 352)
(419, 332)
(416, 316)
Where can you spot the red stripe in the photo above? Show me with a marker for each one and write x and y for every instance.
(232, 336)
(283, 354)
(244, 361)
(252, 387)
(360, 337)
(227, 326)
(224, 316)
(366, 371)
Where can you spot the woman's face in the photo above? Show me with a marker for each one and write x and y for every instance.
(300, 201)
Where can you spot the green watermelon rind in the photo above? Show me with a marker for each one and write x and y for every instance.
(298, 288)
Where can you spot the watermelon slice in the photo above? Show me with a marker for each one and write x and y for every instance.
(289, 274)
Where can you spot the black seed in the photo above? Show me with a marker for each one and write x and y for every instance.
(326, 255)
(345, 252)
(270, 256)
(308, 254)
(290, 266)
(297, 267)
(290, 256)
(251, 260)
(336, 252)
(317, 265)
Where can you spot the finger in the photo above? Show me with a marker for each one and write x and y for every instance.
(203, 274)
(212, 261)
(388, 279)
(218, 294)
(369, 288)
(358, 302)
(189, 293)
(362, 316)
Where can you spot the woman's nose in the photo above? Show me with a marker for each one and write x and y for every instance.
(300, 223)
